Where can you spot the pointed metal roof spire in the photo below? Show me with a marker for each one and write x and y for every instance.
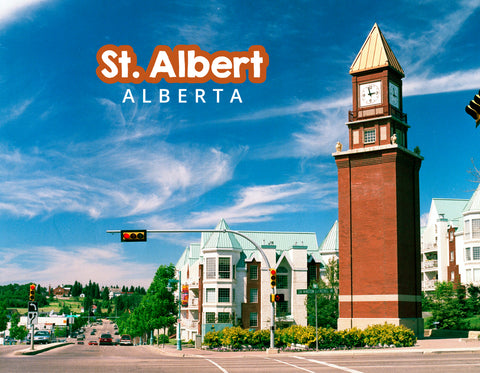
(375, 53)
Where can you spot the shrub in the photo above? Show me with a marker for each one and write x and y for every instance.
(212, 339)
(376, 335)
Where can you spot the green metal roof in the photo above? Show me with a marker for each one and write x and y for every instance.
(450, 208)
(473, 204)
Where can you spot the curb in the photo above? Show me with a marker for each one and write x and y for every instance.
(41, 349)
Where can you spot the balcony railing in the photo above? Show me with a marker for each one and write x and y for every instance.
(429, 284)
(373, 111)
(430, 264)
(429, 247)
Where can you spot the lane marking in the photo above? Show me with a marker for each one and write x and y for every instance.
(330, 365)
(218, 366)
(292, 365)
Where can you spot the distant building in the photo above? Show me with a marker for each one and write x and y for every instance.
(224, 281)
(451, 242)
(60, 291)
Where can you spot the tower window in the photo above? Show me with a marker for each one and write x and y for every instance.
(369, 136)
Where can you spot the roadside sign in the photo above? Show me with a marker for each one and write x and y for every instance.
(32, 306)
(314, 291)
(32, 318)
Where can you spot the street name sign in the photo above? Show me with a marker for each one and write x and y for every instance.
(314, 291)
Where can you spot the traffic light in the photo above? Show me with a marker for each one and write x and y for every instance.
(473, 108)
(273, 277)
(277, 298)
(31, 295)
(133, 236)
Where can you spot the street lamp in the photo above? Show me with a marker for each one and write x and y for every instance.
(170, 288)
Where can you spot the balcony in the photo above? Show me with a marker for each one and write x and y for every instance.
(374, 111)
(430, 265)
(429, 285)
(429, 247)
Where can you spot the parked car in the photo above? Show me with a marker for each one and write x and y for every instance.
(106, 339)
(126, 340)
(10, 341)
(93, 343)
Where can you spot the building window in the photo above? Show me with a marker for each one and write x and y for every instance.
(452, 276)
(469, 276)
(476, 275)
(223, 317)
(253, 272)
(369, 136)
(468, 254)
(282, 278)
(224, 268)
(467, 229)
(475, 229)
(211, 274)
(253, 295)
(210, 317)
(210, 295)
(452, 256)
(224, 295)
(282, 309)
(253, 319)
(312, 273)
(476, 253)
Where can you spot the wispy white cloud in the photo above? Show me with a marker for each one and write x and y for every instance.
(107, 265)
(453, 82)
(11, 10)
(262, 203)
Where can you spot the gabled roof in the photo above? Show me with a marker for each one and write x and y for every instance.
(221, 240)
(473, 204)
(330, 243)
(375, 53)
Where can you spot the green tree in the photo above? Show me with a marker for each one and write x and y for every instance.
(105, 294)
(447, 307)
(17, 331)
(327, 303)
(3, 316)
(158, 307)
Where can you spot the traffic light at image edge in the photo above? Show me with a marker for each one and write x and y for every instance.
(133, 236)
(31, 295)
(273, 277)
(473, 108)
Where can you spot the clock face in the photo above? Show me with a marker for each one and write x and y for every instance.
(394, 95)
(370, 94)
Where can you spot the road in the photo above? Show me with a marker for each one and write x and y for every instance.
(94, 358)
(85, 358)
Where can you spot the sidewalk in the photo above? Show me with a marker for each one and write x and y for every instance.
(423, 346)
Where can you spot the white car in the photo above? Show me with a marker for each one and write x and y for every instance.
(42, 336)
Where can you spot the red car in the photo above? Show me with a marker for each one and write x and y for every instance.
(106, 339)
(93, 343)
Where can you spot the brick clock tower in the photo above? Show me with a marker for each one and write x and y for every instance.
(378, 199)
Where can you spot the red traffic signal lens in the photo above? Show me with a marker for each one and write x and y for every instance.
(32, 287)
(126, 236)
(273, 272)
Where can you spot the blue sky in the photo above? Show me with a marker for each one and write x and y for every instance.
(75, 161)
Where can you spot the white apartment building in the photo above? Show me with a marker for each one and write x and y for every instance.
(451, 242)
(225, 282)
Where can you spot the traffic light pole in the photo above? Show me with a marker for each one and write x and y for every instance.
(264, 256)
